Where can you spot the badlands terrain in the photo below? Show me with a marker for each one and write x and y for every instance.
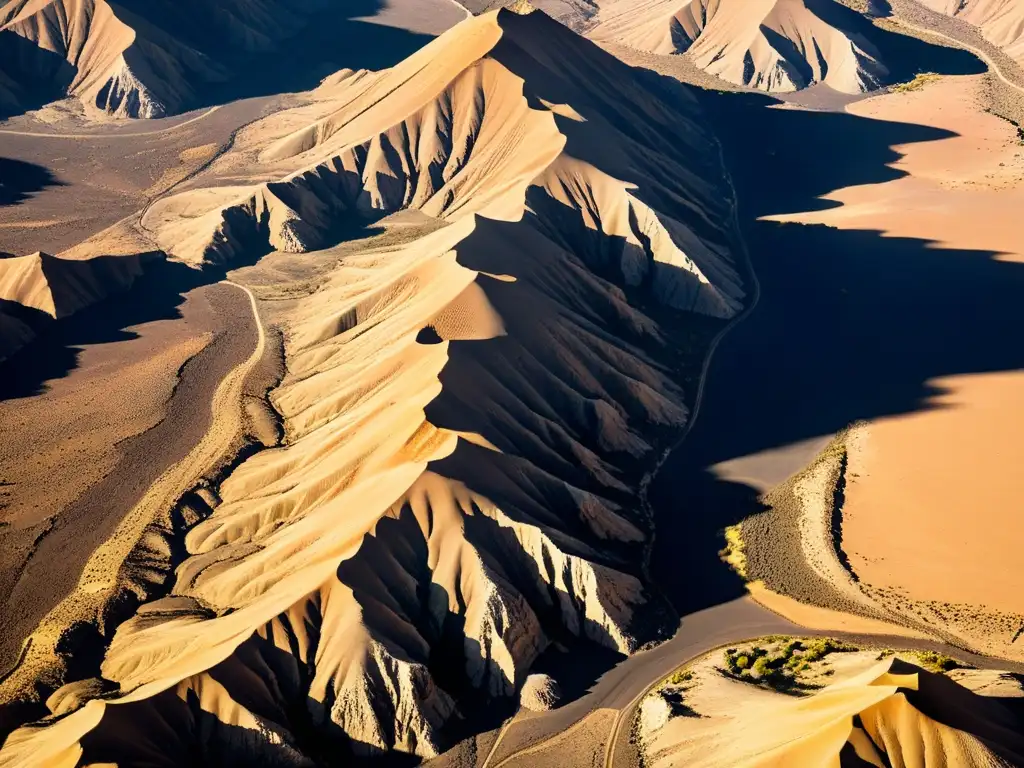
(585, 383)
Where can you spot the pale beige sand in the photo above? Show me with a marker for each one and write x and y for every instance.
(953, 475)
(887, 712)
(825, 619)
(933, 508)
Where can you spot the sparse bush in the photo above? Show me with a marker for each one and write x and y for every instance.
(919, 82)
(679, 677)
(822, 647)
(937, 662)
(778, 668)
(733, 553)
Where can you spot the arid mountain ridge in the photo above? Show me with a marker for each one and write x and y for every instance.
(136, 59)
(467, 415)
(496, 268)
(146, 60)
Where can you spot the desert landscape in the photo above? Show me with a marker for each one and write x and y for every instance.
(568, 383)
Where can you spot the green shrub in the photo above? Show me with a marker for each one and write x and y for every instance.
(734, 552)
(919, 82)
(679, 677)
(937, 662)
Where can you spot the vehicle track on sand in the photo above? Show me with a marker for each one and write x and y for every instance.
(107, 136)
(989, 61)
(497, 742)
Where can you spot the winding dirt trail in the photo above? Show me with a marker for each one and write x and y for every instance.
(107, 136)
(992, 65)
(99, 578)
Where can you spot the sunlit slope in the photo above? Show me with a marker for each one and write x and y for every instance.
(437, 134)
(468, 415)
(892, 714)
(1000, 21)
(148, 59)
(773, 45)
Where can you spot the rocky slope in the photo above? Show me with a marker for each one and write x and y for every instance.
(149, 59)
(1000, 21)
(575, 14)
(468, 413)
(773, 45)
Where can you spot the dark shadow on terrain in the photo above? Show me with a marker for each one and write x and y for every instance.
(995, 720)
(316, 40)
(577, 668)
(329, 39)
(34, 76)
(155, 295)
(904, 56)
(850, 325)
(270, 682)
(19, 181)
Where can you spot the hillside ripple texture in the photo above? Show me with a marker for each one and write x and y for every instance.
(468, 415)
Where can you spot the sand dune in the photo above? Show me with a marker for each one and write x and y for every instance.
(149, 59)
(774, 45)
(891, 713)
(1000, 21)
(467, 414)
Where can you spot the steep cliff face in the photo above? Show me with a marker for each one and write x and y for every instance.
(468, 414)
(446, 151)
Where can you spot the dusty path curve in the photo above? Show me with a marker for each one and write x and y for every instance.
(98, 580)
(989, 61)
(624, 687)
(105, 136)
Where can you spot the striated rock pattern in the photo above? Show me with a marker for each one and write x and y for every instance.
(152, 58)
(468, 415)
(773, 45)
